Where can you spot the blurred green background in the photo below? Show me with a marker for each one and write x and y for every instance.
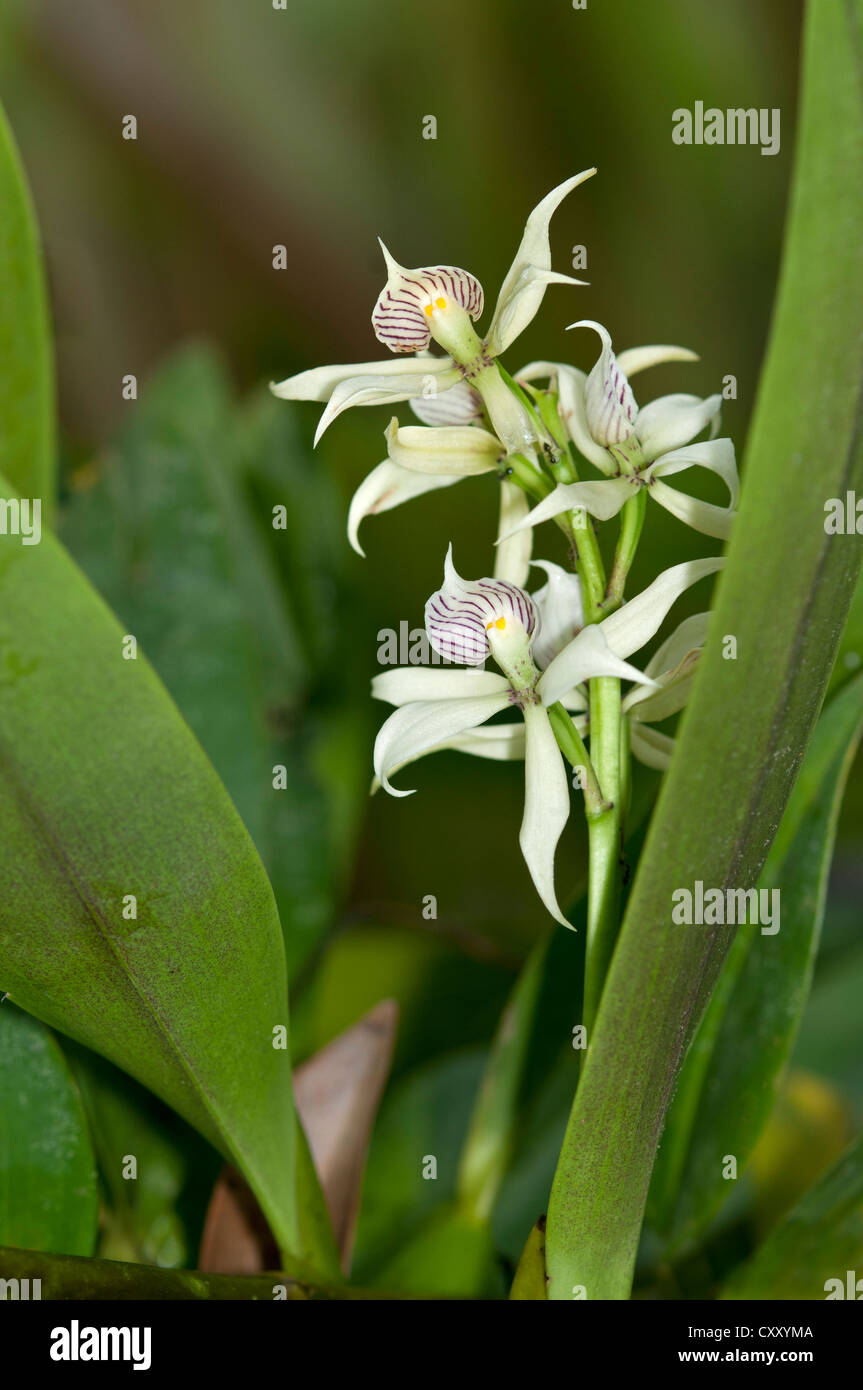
(303, 127)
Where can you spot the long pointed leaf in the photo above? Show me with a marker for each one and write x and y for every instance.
(783, 595)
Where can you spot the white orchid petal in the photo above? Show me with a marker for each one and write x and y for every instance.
(512, 556)
(418, 728)
(602, 499)
(411, 299)
(609, 403)
(387, 486)
(318, 383)
(561, 611)
(406, 684)
(499, 742)
(716, 455)
(688, 636)
(521, 294)
(641, 618)
(458, 405)
(633, 360)
(651, 747)
(463, 450)
(546, 805)
(704, 517)
(377, 390)
(586, 656)
(512, 318)
(669, 699)
(672, 421)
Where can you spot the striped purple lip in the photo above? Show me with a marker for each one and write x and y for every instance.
(402, 315)
(459, 615)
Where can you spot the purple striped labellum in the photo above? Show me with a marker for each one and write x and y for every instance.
(469, 620)
(436, 302)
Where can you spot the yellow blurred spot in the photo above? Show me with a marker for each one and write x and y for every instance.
(429, 309)
(441, 303)
(499, 623)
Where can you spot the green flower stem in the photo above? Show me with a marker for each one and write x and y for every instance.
(572, 746)
(631, 522)
(605, 831)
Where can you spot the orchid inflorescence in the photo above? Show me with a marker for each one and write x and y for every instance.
(561, 651)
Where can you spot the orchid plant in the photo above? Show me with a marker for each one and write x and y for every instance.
(545, 432)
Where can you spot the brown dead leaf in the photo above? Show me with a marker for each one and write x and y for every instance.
(337, 1092)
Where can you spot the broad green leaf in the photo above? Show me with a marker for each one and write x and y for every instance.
(27, 445)
(783, 596)
(105, 797)
(48, 1189)
(752, 1019)
(820, 1240)
(164, 528)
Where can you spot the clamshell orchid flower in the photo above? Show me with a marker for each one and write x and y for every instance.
(558, 647)
(636, 448)
(541, 661)
(442, 303)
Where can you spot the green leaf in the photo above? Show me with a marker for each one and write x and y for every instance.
(170, 538)
(784, 596)
(104, 793)
(65, 1277)
(27, 445)
(752, 1019)
(48, 1190)
(821, 1239)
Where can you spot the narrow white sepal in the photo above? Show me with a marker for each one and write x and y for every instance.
(717, 456)
(498, 743)
(633, 360)
(387, 486)
(512, 556)
(522, 290)
(602, 499)
(641, 618)
(406, 684)
(419, 727)
(377, 390)
(651, 747)
(672, 421)
(587, 655)
(546, 806)
(318, 383)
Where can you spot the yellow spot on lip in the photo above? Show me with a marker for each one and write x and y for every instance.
(429, 310)
(440, 303)
(499, 623)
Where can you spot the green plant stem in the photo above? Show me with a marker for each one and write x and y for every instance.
(572, 746)
(631, 522)
(605, 831)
